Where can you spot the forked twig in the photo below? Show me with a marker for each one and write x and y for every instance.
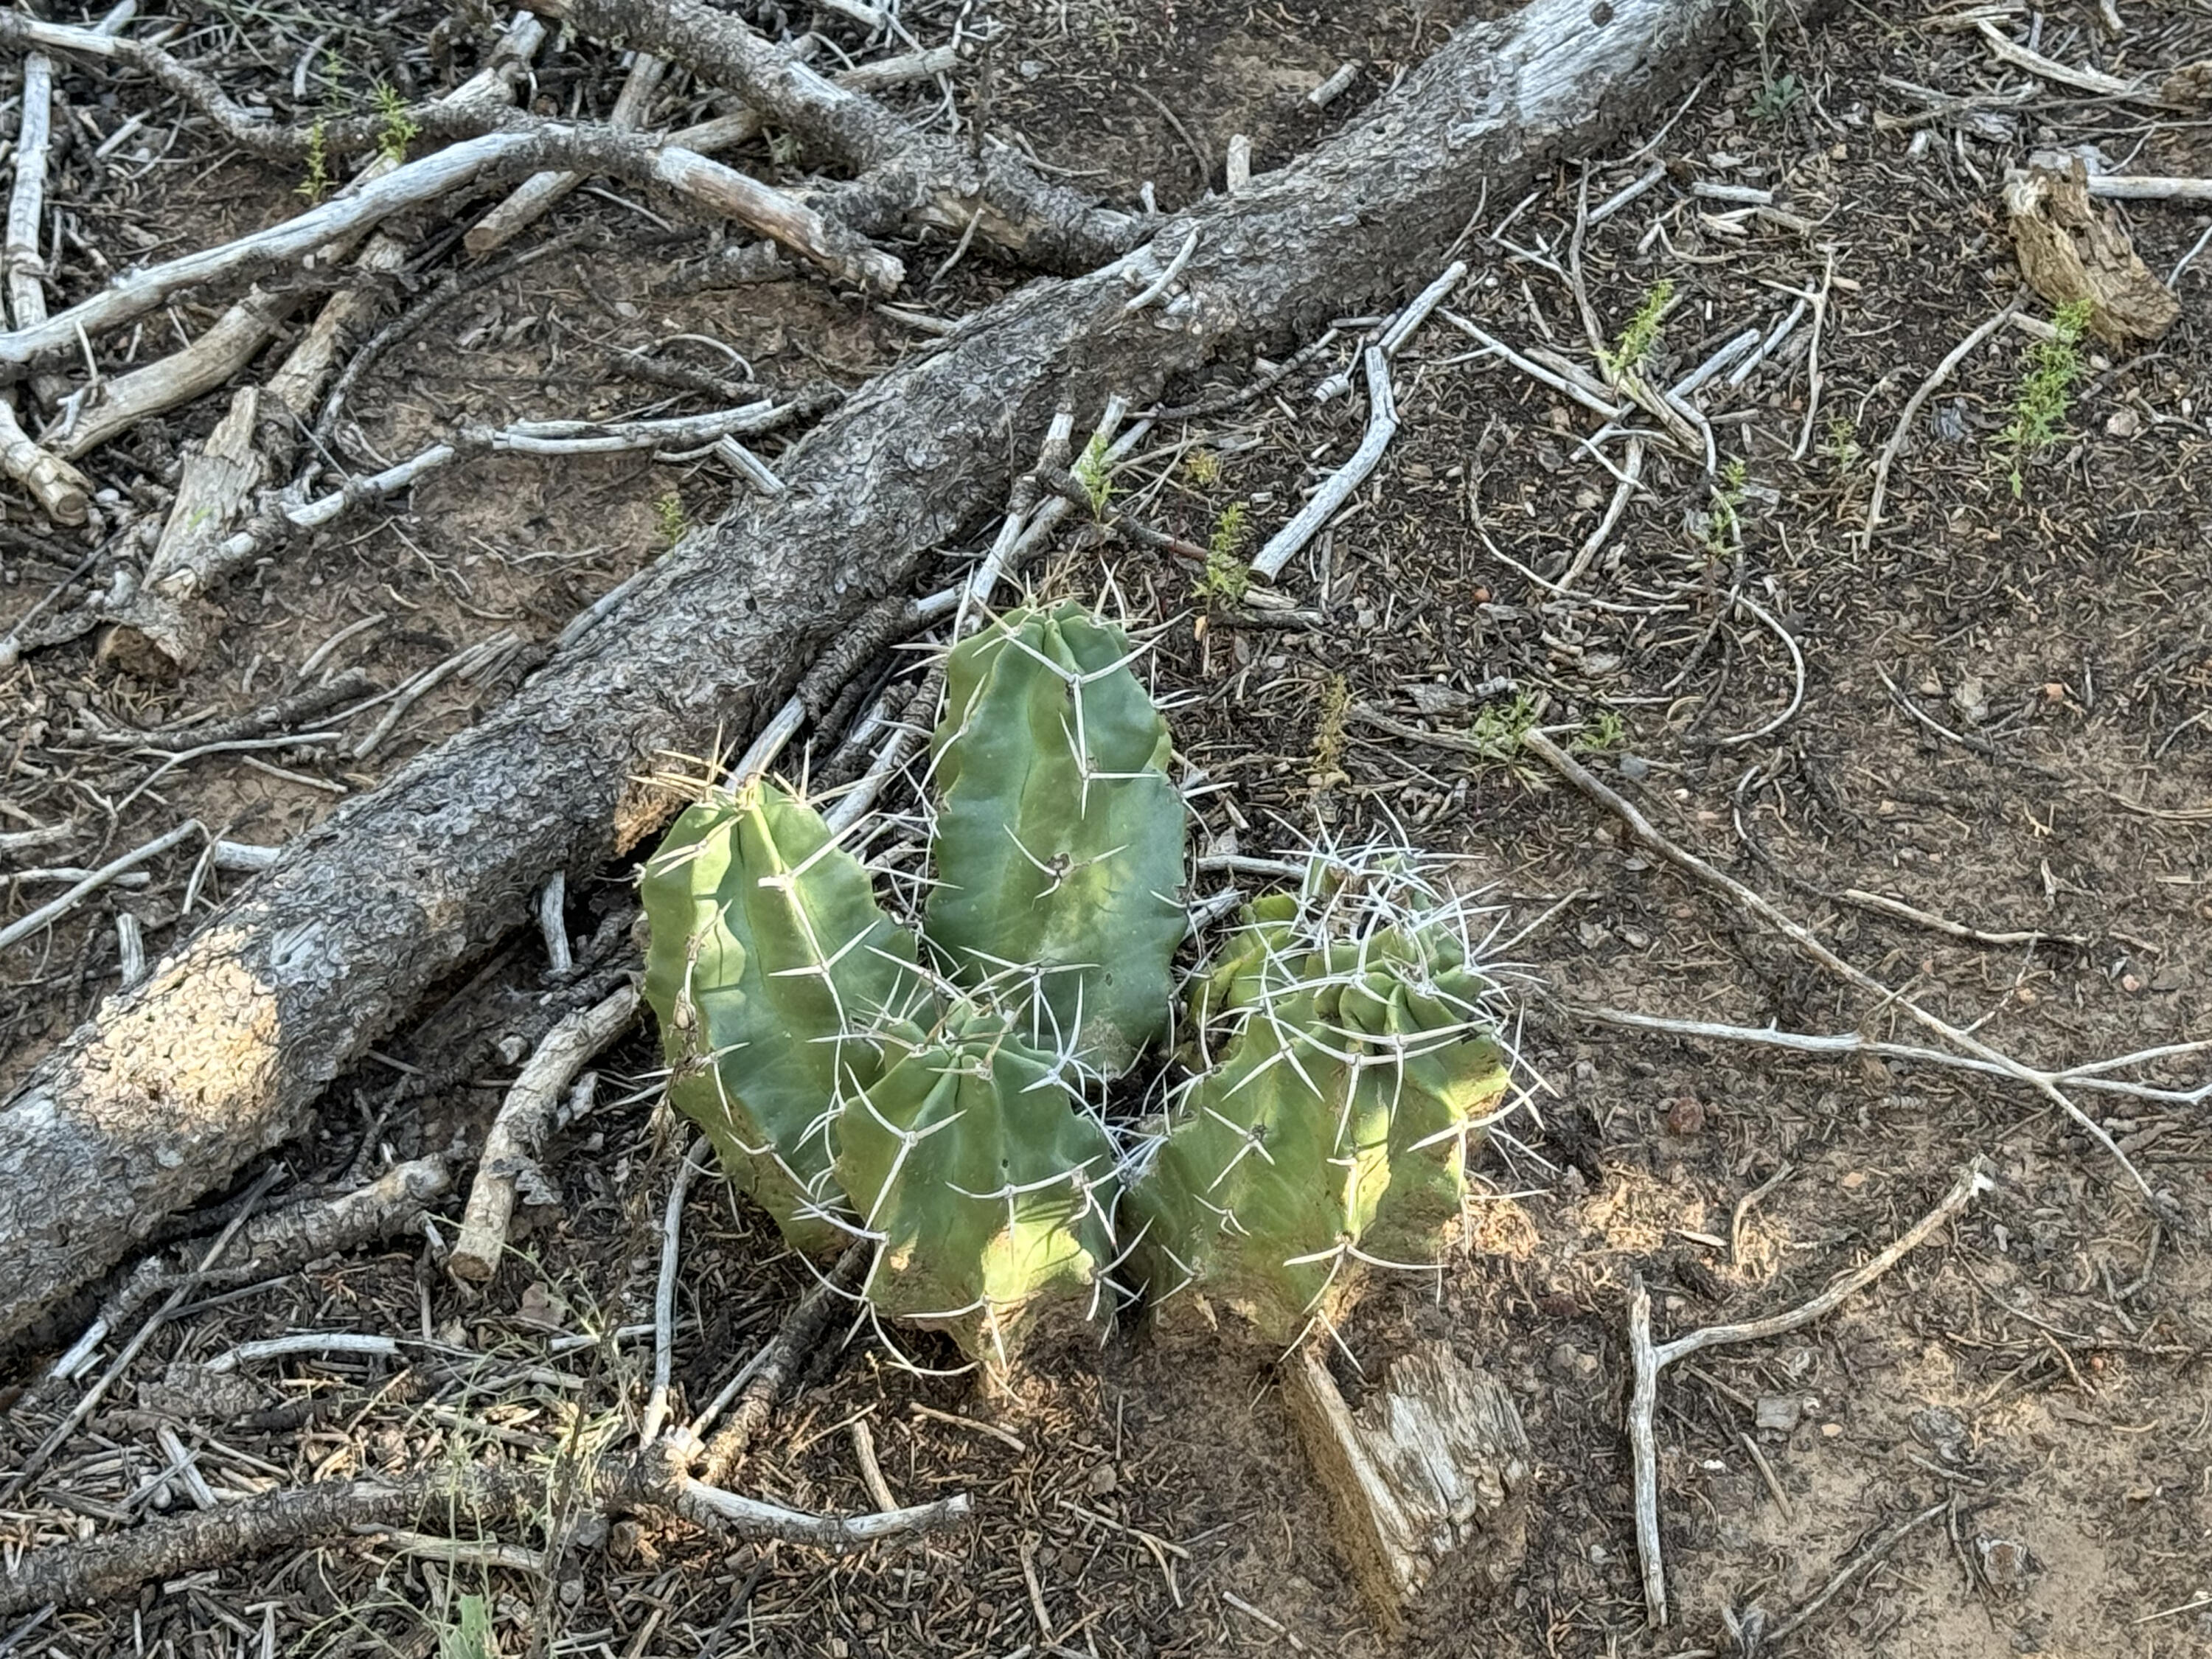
(1650, 1358)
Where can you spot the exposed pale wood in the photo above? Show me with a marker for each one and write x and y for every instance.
(223, 1050)
(217, 484)
(221, 351)
(2071, 249)
(526, 1117)
(1427, 1482)
(535, 195)
(62, 493)
(237, 336)
(526, 145)
(472, 1497)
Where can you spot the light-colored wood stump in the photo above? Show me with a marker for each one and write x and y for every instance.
(1427, 1481)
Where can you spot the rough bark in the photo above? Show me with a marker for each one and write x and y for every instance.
(1427, 1482)
(221, 1053)
(469, 1501)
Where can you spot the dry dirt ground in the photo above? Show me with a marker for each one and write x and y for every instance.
(1999, 712)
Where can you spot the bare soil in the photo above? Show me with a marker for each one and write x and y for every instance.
(2005, 720)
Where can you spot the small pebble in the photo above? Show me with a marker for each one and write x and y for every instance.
(2005, 1563)
(1634, 768)
(1779, 1412)
(1686, 1116)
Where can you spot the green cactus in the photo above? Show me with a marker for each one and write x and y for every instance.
(1058, 843)
(991, 1188)
(1342, 1055)
(769, 967)
(1332, 1131)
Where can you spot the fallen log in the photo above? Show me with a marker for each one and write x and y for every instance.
(222, 1050)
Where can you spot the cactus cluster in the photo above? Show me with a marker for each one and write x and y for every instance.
(940, 1091)
(1346, 1055)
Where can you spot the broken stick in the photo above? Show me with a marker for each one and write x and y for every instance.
(527, 1118)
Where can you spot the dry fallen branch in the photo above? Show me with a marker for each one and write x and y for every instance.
(166, 623)
(281, 1242)
(524, 144)
(62, 493)
(1650, 1358)
(1329, 499)
(757, 1388)
(910, 172)
(2071, 251)
(71, 1575)
(223, 1050)
(114, 405)
(1887, 459)
(2093, 1075)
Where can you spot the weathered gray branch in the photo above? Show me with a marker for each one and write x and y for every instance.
(222, 1051)
(478, 1496)
(908, 171)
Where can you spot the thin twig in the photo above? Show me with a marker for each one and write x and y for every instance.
(2089, 1076)
(84, 1408)
(1889, 451)
(664, 1296)
(1651, 1359)
(55, 908)
(1865, 1560)
(1329, 499)
(528, 1115)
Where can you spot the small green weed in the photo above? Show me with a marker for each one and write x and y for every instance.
(1607, 732)
(2039, 412)
(1091, 472)
(1203, 468)
(668, 512)
(317, 183)
(1642, 331)
(1328, 732)
(470, 1635)
(1841, 445)
(1110, 32)
(1226, 576)
(1776, 98)
(396, 128)
(1779, 93)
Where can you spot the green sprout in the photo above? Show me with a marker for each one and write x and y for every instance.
(1777, 94)
(1776, 98)
(1091, 472)
(1203, 467)
(317, 183)
(1642, 331)
(395, 128)
(1226, 576)
(668, 512)
(1601, 736)
(2039, 412)
(1841, 444)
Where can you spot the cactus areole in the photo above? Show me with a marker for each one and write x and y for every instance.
(938, 1091)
